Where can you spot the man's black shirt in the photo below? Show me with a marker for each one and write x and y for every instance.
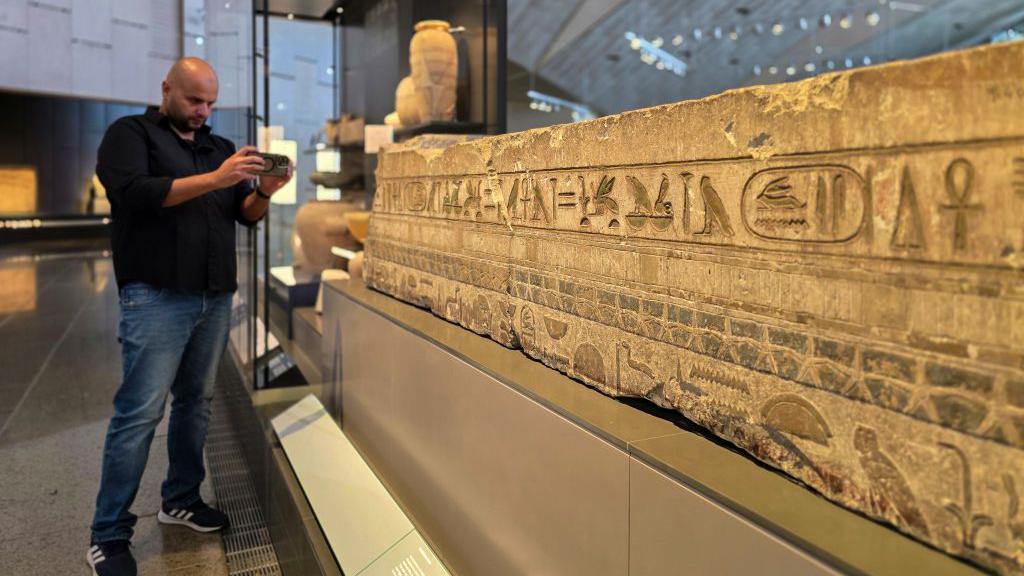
(188, 247)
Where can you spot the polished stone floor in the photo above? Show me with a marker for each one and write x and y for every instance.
(59, 368)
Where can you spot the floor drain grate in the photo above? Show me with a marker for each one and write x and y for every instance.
(247, 543)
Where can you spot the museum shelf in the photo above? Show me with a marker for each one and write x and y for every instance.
(406, 132)
(736, 485)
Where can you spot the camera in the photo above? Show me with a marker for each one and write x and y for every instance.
(274, 165)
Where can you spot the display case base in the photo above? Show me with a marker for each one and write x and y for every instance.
(509, 467)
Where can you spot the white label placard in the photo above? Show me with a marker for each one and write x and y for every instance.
(376, 135)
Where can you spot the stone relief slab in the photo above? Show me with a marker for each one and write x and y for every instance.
(829, 274)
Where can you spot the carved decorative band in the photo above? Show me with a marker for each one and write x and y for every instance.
(977, 400)
(931, 203)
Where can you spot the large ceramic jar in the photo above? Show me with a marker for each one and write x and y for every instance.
(318, 227)
(407, 103)
(435, 66)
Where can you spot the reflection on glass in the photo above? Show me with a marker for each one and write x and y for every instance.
(301, 100)
(289, 148)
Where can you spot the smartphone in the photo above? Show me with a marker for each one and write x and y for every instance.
(274, 165)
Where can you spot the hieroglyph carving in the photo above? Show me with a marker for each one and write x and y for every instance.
(844, 301)
(823, 206)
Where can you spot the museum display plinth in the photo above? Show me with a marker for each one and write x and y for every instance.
(509, 467)
(826, 274)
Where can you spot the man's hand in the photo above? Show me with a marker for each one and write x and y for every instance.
(255, 205)
(243, 164)
(271, 184)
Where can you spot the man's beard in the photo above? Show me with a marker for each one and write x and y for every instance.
(183, 124)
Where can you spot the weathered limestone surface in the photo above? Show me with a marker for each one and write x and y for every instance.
(829, 274)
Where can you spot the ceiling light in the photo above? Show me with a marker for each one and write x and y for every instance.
(846, 22)
(548, 103)
(872, 18)
(803, 23)
(867, 60)
(818, 49)
(200, 40)
(652, 54)
(831, 65)
(757, 69)
(678, 40)
(791, 70)
(280, 105)
(825, 21)
(697, 34)
(849, 62)
(330, 70)
(907, 6)
(773, 69)
(717, 32)
(810, 67)
(734, 34)
(339, 9)
(778, 28)
(758, 28)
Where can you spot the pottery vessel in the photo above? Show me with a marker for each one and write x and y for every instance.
(358, 223)
(407, 102)
(435, 63)
(318, 227)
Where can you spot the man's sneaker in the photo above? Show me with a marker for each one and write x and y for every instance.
(198, 517)
(112, 558)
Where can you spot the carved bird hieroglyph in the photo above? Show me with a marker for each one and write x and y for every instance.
(637, 364)
(887, 481)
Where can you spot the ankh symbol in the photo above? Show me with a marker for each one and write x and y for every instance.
(960, 172)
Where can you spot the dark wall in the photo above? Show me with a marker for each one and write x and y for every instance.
(60, 137)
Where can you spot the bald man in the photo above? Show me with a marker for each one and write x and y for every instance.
(176, 192)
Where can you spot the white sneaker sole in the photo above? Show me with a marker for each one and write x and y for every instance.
(171, 520)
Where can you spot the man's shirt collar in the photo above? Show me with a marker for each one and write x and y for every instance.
(154, 115)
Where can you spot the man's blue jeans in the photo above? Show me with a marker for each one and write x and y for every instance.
(171, 342)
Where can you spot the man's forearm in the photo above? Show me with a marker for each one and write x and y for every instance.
(185, 189)
(254, 207)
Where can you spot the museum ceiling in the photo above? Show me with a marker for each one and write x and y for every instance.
(581, 45)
